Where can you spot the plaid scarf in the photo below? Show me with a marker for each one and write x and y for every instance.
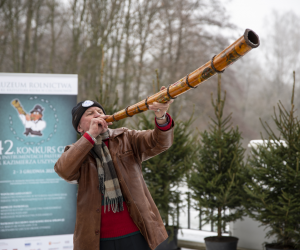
(108, 179)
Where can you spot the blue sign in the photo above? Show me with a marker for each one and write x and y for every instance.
(36, 125)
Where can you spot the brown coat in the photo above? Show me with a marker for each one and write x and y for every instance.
(128, 148)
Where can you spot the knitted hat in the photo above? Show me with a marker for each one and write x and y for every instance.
(79, 110)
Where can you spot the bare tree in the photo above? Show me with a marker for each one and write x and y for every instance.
(146, 12)
(266, 75)
(282, 50)
(112, 45)
(78, 11)
(27, 39)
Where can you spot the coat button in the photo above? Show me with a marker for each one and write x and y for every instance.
(97, 232)
(98, 210)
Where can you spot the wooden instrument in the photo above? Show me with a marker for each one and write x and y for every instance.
(217, 64)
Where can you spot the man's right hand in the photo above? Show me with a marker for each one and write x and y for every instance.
(98, 125)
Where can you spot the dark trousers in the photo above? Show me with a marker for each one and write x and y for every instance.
(134, 242)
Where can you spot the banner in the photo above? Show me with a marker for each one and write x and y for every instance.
(36, 125)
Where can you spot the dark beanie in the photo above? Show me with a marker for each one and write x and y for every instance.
(79, 110)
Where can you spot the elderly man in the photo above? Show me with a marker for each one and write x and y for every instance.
(115, 210)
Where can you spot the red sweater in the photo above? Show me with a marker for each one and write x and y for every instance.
(119, 225)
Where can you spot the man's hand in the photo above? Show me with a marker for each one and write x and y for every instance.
(28, 117)
(160, 108)
(98, 125)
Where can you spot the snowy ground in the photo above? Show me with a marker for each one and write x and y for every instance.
(194, 236)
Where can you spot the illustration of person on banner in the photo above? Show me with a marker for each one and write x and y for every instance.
(114, 207)
(33, 123)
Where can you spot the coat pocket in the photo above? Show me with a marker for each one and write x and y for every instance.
(130, 163)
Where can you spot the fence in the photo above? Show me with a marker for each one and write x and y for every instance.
(190, 218)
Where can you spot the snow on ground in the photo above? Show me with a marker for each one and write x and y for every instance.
(195, 235)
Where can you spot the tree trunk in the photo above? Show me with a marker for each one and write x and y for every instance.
(26, 47)
(36, 38)
(219, 221)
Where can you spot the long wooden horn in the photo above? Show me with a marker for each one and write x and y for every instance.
(217, 64)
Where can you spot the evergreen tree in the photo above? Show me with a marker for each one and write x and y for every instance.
(216, 176)
(273, 180)
(164, 172)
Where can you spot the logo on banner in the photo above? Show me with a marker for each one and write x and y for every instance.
(37, 124)
(33, 121)
(51, 242)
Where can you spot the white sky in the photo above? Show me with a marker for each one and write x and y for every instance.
(252, 13)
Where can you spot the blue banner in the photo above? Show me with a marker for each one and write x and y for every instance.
(35, 128)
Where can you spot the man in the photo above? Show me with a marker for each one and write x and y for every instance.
(115, 210)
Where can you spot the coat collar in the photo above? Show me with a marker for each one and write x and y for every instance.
(115, 132)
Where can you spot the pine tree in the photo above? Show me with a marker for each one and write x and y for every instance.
(164, 172)
(273, 180)
(215, 178)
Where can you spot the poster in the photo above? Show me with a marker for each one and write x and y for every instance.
(36, 125)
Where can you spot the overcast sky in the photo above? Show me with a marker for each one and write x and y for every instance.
(251, 14)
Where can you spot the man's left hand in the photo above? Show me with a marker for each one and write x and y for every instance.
(160, 108)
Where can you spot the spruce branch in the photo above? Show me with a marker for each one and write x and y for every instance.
(280, 107)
